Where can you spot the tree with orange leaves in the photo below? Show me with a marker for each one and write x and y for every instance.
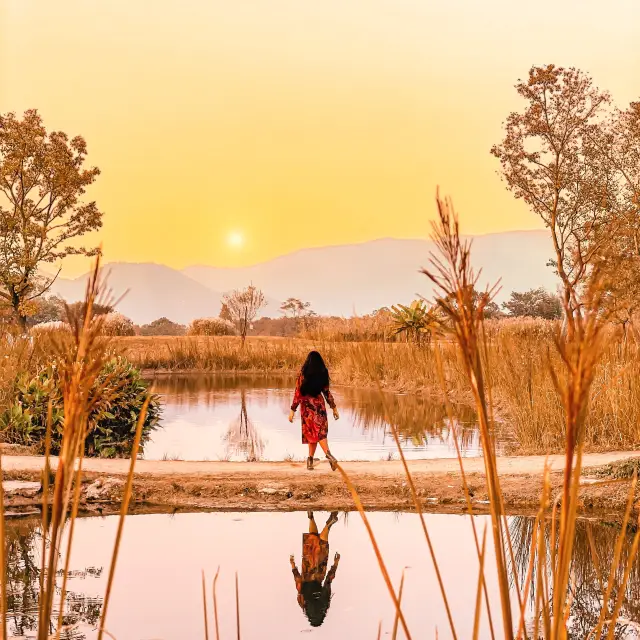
(42, 209)
(550, 160)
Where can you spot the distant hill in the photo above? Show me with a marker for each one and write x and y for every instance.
(359, 278)
(152, 291)
(340, 280)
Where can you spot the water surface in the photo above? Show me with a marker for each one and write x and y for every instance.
(209, 417)
(157, 590)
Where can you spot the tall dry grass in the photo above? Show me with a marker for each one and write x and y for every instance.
(516, 359)
(525, 390)
(396, 366)
(213, 354)
(376, 327)
(548, 569)
(80, 356)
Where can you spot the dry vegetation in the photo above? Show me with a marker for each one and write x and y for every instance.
(537, 578)
(534, 568)
(517, 359)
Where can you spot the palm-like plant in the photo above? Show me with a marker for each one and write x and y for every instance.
(416, 321)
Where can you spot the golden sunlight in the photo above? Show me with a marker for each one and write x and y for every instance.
(235, 239)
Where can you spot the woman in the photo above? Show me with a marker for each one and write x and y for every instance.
(314, 591)
(312, 385)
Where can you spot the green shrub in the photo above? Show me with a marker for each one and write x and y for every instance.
(112, 421)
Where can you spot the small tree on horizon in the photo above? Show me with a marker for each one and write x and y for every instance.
(479, 299)
(534, 303)
(242, 306)
(225, 314)
(298, 311)
(163, 327)
(42, 212)
(295, 308)
(78, 309)
(47, 309)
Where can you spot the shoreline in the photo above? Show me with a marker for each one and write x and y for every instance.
(167, 486)
(424, 392)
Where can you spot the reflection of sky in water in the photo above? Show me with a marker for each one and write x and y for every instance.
(157, 589)
(203, 419)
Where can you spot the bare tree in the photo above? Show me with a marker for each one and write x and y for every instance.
(242, 307)
(42, 181)
(549, 160)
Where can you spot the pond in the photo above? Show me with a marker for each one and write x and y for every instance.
(158, 589)
(208, 417)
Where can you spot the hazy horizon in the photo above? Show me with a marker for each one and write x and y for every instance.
(106, 263)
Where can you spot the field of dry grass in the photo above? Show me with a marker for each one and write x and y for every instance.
(519, 358)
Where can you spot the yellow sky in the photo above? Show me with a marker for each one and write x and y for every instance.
(295, 123)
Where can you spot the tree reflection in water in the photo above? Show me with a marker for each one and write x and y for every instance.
(209, 389)
(587, 591)
(242, 437)
(415, 417)
(421, 420)
(24, 545)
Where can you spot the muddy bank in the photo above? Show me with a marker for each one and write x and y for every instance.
(169, 485)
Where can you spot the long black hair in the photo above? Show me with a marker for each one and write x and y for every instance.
(315, 375)
(317, 599)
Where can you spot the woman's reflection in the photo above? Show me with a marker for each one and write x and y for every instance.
(314, 591)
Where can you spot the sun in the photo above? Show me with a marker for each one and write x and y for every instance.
(235, 239)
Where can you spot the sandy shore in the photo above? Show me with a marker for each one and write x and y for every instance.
(289, 486)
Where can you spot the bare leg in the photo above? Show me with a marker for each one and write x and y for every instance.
(313, 527)
(312, 448)
(333, 518)
(324, 445)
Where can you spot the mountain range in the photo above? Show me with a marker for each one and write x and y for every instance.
(340, 280)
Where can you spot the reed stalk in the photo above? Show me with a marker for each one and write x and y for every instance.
(237, 607)
(124, 508)
(204, 603)
(481, 582)
(455, 283)
(215, 604)
(397, 618)
(80, 357)
(376, 550)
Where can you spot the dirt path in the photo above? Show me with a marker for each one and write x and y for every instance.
(179, 485)
(255, 470)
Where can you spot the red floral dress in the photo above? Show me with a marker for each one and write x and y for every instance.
(313, 413)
